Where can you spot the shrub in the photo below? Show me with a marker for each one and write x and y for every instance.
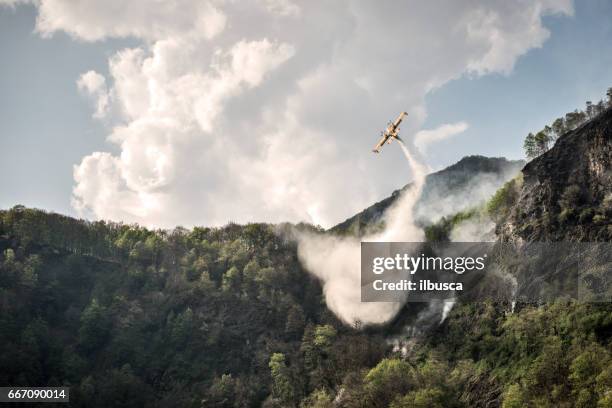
(499, 205)
(319, 398)
(423, 398)
(599, 219)
(513, 397)
(565, 215)
(571, 197)
(390, 377)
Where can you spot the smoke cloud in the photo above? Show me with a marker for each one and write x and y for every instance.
(438, 201)
(336, 260)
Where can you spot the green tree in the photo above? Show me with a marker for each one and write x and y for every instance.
(513, 397)
(182, 327)
(29, 271)
(546, 374)
(604, 387)
(423, 398)
(542, 142)
(124, 386)
(221, 393)
(558, 127)
(590, 110)
(231, 281)
(530, 146)
(584, 372)
(319, 398)
(95, 326)
(282, 384)
(250, 276)
(324, 335)
(389, 379)
(294, 325)
(574, 119)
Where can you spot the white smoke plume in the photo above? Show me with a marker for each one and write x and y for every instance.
(446, 309)
(399, 218)
(479, 229)
(336, 260)
(436, 312)
(440, 202)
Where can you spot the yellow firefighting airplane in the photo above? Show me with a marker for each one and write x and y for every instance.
(390, 133)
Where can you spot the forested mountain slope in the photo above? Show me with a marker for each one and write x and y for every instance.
(131, 317)
(465, 184)
(227, 317)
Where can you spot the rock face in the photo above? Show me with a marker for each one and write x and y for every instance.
(566, 194)
(465, 184)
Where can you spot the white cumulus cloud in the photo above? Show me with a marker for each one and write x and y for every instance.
(94, 85)
(92, 20)
(266, 110)
(423, 138)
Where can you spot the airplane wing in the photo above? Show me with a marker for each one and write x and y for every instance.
(399, 119)
(381, 143)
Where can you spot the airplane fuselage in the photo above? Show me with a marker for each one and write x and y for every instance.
(390, 133)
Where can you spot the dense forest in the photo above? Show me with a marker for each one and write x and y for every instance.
(133, 317)
(226, 317)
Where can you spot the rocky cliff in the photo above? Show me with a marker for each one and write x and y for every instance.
(566, 193)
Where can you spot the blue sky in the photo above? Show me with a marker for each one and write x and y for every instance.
(47, 125)
(571, 68)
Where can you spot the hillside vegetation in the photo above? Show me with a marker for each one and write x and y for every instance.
(131, 317)
(226, 317)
